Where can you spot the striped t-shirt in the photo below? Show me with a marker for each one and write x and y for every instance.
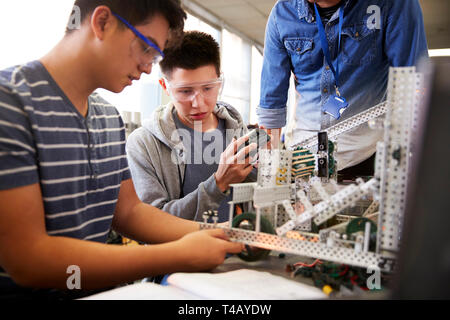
(78, 161)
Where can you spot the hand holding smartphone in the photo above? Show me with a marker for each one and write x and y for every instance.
(258, 136)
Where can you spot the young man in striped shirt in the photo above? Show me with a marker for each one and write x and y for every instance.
(64, 177)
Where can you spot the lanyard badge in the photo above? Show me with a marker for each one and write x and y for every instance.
(336, 104)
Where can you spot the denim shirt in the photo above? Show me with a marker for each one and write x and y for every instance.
(376, 34)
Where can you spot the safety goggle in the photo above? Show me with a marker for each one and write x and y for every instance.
(143, 49)
(187, 92)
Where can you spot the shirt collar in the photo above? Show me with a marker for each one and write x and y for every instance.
(304, 11)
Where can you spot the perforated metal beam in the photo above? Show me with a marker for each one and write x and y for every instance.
(345, 125)
(301, 247)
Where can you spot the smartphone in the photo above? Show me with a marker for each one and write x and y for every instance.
(258, 136)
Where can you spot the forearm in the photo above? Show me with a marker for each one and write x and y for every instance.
(148, 224)
(207, 196)
(45, 263)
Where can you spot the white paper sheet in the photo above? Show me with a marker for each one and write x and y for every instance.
(144, 291)
(243, 284)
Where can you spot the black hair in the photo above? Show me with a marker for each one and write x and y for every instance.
(196, 49)
(137, 12)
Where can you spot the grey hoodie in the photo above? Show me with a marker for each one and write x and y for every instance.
(156, 157)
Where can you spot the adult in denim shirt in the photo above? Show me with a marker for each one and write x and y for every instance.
(376, 34)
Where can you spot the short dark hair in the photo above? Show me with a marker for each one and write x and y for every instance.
(196, 49)
(137, 12)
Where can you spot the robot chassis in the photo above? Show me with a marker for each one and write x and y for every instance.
(276, 199)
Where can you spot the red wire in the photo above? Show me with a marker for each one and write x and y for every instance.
(301, 264)
(343, 272)
(352, 279)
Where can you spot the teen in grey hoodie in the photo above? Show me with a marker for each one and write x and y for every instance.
(159, 160)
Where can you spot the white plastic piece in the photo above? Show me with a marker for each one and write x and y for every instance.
(315, 182)
(265, 195)
(258, 220)
(330, 242)
(274, 167)
(243, 192)
(304, 200)
(288, 207)
(307, 206)
(334, 184)
(288, 226)
(367, 236)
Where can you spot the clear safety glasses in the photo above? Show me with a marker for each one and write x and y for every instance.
(143, 49)
(187, 92)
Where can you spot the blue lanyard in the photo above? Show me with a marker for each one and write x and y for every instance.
(324, 41)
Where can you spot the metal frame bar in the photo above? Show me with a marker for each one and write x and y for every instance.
(346, 125)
